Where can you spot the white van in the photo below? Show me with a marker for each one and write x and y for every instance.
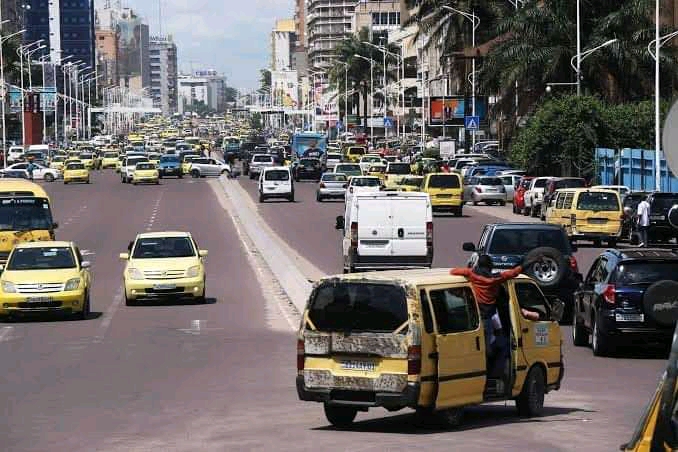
(276, 182)
(387, 230)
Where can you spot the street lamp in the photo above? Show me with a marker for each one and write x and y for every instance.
(580, 56)
(517, 4)
(371, 61)
(475, 21)
(29, 55)
(399, 59)
(4, 93)
(658, 43)
(20, 53)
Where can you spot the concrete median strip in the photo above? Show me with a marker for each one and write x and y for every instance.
(292, 271)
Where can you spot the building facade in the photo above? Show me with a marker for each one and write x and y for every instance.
(163, 71)
(206, 86)
(107, 56)
(283, 40)
(328, 22)
(380, 17)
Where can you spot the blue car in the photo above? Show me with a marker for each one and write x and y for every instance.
(170, 165)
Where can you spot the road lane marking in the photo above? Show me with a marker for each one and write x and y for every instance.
(6, 333)
(108, 316)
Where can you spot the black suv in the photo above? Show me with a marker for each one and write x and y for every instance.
(613, 301)
(307, 168)
(507, 244)
(663, 217)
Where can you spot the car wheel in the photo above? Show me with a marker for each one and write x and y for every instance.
(458, 212)
(291, 198)
(180, 176)
(526, 211)
(49, 177)
(534, 212)
(580, 336)
(530, 402)
(84, 314)
(87, 181)
(65, 182)
(550, 267)
(195, 174)
(340, 416)
(318, 197)
(129, 301)
(600, 342)
(502, 203)
(159, 176)
(475, 203)
(261, 198)
(451, 417)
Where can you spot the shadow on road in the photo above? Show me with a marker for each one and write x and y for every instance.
(474, 418)
(174, 302)
(47, 317)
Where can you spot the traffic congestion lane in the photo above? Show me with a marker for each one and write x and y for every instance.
(308, 227)
(134, 377)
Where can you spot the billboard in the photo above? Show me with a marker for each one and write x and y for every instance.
(285, 88)
(454, 108)
(48, 98)
(14, 99)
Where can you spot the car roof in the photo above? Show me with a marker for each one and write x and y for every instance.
(276, 168)
(659, 254)
(413, 277)
(53, 243)
(147, 235)
(588, 189)
(523, 225)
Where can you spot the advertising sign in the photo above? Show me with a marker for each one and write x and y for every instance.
(452, 110)
(48, 98)
(14, 99)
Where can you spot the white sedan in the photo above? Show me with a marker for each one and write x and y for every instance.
(40, 172)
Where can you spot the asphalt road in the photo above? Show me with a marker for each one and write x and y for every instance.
(220, 376)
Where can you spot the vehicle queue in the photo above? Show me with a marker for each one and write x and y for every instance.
(406, 328)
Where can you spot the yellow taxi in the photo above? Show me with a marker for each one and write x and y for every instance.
(74, 154)
(446, 191)
(109, 159)
(410, 183)
(87, 158)
(57, 162)
(71, 160)
(377, 171)
(154, 157)
(42, 277)
(145, 172)
(76, 172)
(186, 163)
(164, 265)
(354, 153)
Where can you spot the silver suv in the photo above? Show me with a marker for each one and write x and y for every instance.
(258, 162)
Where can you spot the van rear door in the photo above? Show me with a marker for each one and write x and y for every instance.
(375, 226)
(408, 220)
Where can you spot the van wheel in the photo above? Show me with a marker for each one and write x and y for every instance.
(580, 336)
(530, 402)
(291, 197)
(340, 416)
(451, 417)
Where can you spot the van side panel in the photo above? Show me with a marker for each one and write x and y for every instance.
(375, 227)
(408, 231)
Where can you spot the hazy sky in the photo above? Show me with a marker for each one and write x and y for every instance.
(231, 36)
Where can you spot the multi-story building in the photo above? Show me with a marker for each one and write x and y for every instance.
(328, 22)
(206, 86)
(163, 70)
(66, 28)
(283, 40)
(107, 55)
(379, 17)
(11, 11)
(216, 88)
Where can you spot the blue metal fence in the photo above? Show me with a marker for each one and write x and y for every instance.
(633, 168)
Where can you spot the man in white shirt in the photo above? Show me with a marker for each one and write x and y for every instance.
(643, 214)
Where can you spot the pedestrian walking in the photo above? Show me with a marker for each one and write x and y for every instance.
(643, 215)
(30, 168)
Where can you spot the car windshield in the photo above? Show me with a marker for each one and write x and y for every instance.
(333, 156)
(598, 201)
(643, 272)
(540, 183)
(570, 183)
(371, 159)
(353, 307)
(524, 239)
(110, 155)
(334, 178)
(277, 175)
(398, 168)
(365, 182)
(75, 166)
(444, 181)
(25, 214)
(490, 181)
(145, 166)
(356, 151)
(201, 161)
(86, 156)
(309, 162)
(411, 181)
(664, 200)
(348, 168)
(262, 158)
(41, 258)
(59, 158)
(163, 247)
(136, 160)
(169, 159)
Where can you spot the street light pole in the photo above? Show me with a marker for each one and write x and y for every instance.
(579, 58)
(371, 61)
(4, 94)
(657, 125)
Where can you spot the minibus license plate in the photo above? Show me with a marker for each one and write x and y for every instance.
(364, 366)
(38, 300)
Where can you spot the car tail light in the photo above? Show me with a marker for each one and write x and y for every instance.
(350, 190)
(429, 233)
(609, 293)
(478, 189)
(344, 186)
(354, 234)
(573, 264)
(413, 360)
(322, 185)
(300, 355)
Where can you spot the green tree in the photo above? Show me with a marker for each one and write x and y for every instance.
(230, 94)
(264, 81)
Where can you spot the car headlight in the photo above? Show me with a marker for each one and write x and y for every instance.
(8, 287)
(192, 272)
(134, 273)
(72, 284)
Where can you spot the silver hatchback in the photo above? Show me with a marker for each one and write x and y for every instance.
(487, 189)
(331, 186)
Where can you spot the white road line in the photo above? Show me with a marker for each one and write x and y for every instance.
(6, 333)
(108, 316)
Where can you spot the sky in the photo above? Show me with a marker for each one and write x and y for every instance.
(231, 36)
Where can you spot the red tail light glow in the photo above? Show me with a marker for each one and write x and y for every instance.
(609, 294)
(413, 360)
(429, 233)
(322, 185)
(354, 234)
(573, 264)
(300, 355)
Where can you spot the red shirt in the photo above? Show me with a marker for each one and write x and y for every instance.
(486, 289)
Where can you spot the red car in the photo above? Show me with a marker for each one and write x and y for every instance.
(519, 194)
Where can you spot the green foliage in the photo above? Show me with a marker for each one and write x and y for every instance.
(559, 139)
(264, 81)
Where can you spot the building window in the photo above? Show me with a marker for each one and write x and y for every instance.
(393, 18)
(375, 18)
(384, 18)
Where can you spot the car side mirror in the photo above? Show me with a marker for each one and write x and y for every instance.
(124, 256)
(468, 246)
(339, 223)
(202, 253)
(86, 264)
(129, 246)
(557, 310)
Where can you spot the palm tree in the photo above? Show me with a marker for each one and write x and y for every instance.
(358, 68)
(264, 81)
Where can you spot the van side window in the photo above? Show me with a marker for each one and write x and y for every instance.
(561, 200)
(426, 312)
(567, 204)
(455, 310)
(531, 299)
